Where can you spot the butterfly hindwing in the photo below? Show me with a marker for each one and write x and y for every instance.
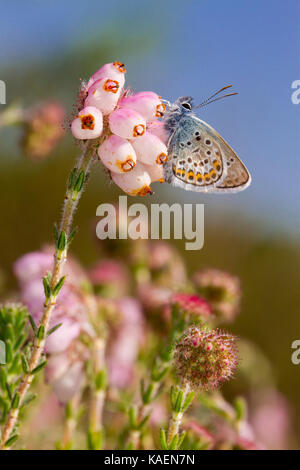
(200, 160)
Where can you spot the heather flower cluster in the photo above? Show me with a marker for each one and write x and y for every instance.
(42, 126)
(65, 352)
(124, 328)
(133, 142)
(126, 341)
(221, 289)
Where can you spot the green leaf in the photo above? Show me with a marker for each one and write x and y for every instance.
(14, 367)
(188, 401)
(47, 288)
(32, 323)
(79, 182)
(101, 380)
(94, 440)
(25, 365)
(41, 332)
(39, 367)
(174, 443)
(163, 439)
(11, 440)
(132, 413)
(148, 394)
(62, 241)
(72, 178)
(58, 286)
(55, 233)
(54, 328)
(10, 334)
(72, 235)
(240, 408)
(173, 396)
(15, 401)
(178, 403)
(19, 342)
(143, 421)
(69, 410)
(3, 377)
(28, 399)
(181, 439)
(8, 389)
(9, 352)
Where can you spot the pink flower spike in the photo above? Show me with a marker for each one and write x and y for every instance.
(104, 95)
(150, 149)
(88, 124)
(127, 123)
(114, 70)
(146, 103)
(117, 154)
(136, 182)
(156, 172)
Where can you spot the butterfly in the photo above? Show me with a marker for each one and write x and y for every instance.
(199, 159)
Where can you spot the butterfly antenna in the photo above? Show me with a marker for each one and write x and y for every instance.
(217, 99)
(210, 100)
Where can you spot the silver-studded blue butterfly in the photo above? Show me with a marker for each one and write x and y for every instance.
(199, 159)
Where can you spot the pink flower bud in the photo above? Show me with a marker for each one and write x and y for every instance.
(88, 124)
(136, 182)
(146, 103)
(117, 154)
(158, 128)
(150, 149)
(114, 70)
(104, 95)
(156, 172)
(127, 123)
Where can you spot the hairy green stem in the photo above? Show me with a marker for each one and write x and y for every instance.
(72, 198)
(176, 418)
(97, 395)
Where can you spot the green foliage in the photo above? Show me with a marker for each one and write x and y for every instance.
(14, 332)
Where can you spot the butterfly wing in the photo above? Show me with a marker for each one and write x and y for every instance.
(200, 160)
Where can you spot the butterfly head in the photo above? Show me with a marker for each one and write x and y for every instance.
(175, 111)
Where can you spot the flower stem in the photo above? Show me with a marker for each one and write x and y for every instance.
(143, 415)
(72, 197)
(71, 410)
(98, 391)
(176, 418)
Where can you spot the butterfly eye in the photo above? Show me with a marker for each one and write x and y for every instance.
(186, 106)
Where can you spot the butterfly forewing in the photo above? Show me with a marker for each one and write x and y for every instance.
(201, 160)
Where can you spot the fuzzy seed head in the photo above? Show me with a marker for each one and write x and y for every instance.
(204, 359)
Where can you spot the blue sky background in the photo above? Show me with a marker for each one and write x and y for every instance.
(195, 47)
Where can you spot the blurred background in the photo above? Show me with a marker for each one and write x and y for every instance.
(173, 48)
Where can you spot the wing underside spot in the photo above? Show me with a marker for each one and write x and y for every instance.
(200, 160)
